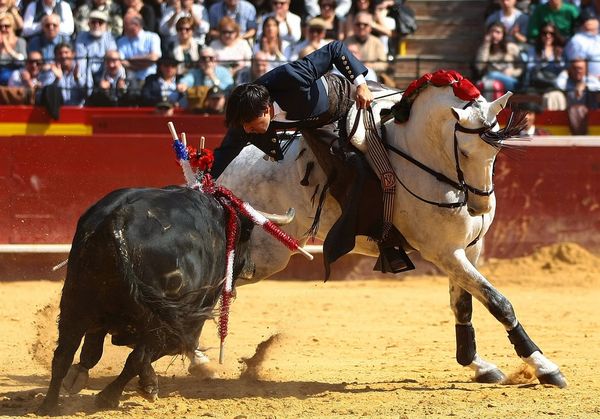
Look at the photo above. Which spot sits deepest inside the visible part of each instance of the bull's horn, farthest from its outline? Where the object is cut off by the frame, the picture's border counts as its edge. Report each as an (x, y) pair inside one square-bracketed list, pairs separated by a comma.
[(499, 104), (280, 219)]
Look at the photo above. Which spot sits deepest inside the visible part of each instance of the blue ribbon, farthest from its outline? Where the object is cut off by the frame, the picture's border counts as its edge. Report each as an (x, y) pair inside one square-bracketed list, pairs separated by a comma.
[(180, 150)]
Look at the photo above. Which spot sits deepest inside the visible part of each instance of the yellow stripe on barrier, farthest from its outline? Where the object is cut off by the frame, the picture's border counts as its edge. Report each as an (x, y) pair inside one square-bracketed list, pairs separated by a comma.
[(8, 129)]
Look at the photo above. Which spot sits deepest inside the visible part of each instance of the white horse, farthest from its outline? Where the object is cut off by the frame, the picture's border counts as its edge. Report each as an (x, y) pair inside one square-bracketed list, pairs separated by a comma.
[(444, 205)]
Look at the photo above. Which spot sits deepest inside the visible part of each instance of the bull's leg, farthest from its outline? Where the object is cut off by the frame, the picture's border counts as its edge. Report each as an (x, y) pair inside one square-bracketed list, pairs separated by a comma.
[(109, 397), (464, 275), (91, 352), (148, 384), (70, 332), (466, 348)]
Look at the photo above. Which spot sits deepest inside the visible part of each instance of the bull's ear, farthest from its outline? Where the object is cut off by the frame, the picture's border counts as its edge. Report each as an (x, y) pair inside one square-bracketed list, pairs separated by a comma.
[(461, 115)]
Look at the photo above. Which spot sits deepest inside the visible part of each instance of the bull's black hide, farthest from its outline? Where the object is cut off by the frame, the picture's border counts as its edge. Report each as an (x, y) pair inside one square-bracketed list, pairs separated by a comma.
[(146, 266)]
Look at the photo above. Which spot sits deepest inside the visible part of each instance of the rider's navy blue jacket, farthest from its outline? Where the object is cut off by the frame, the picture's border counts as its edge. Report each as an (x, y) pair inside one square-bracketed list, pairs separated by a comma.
[(296, 87)]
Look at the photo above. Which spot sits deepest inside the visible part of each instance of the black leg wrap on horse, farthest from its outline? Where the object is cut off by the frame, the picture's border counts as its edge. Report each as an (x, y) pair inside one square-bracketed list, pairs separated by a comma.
[(523, 344), (465, 344)]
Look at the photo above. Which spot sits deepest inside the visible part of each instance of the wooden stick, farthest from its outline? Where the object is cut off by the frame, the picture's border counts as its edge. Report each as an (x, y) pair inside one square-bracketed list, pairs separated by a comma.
[(202, 140), (184, 139), (305, 254), (172, 129)]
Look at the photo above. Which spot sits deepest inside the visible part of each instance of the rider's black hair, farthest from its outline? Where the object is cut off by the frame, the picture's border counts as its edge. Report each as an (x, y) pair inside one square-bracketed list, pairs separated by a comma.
[(246, 102)]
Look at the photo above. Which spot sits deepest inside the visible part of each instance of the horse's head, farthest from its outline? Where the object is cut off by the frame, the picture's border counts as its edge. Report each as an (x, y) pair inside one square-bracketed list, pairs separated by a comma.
[(475, 146)]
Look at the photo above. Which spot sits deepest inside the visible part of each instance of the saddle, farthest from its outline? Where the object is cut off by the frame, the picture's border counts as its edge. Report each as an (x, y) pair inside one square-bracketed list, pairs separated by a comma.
[(358, 190)]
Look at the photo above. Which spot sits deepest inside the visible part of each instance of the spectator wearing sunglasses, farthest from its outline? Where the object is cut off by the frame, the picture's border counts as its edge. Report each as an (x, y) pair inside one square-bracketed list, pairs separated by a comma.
[(289, 24), (28, 76), (242, 11), (315, 39), (178, 9), (185, 47), (13, 48), (110, 7), (231, 49), (564, 16), (208, 73), (372, 50), (50, 37), (33, 18)]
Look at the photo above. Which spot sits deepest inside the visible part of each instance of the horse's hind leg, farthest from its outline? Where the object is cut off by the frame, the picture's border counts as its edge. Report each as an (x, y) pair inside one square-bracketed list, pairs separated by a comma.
[(466, 348), (91, 352), (464, 274)]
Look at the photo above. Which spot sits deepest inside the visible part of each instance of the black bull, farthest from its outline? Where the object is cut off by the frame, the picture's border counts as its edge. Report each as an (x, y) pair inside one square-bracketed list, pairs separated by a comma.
[(146, 266)]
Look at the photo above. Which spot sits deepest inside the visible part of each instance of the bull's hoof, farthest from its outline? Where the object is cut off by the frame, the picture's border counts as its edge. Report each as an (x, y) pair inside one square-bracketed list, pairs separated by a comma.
[(106, 401), (76, 379), (494, 376), (149, 392), (555, 378)]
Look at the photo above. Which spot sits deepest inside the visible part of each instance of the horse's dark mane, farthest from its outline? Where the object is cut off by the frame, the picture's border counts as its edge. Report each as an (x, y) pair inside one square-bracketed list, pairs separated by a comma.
[(517, 121)]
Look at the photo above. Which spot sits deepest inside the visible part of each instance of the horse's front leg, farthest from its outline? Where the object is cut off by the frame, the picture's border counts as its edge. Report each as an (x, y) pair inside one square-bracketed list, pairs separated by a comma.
[(463, 274), (466, 348)]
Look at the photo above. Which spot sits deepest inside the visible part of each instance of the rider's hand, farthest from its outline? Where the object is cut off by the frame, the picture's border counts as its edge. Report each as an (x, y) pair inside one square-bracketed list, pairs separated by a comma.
[(364, 97)]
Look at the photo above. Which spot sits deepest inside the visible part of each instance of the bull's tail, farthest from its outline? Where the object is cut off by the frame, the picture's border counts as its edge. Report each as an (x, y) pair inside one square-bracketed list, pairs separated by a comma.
[(159, 311)]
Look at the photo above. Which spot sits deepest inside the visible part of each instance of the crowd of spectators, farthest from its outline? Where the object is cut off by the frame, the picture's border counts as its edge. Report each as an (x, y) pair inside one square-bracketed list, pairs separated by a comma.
[(548, 49), (174, 53)]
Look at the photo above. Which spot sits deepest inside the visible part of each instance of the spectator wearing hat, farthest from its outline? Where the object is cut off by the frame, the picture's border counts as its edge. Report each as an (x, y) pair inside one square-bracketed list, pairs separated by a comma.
[(289, 24), (50, 37), (208, 73), (139, 48), (91, 46), (315, 39), (214, 104), (586, 43), (111, 8), (531, 109), (164, 86), (564, 15), (242, 11), (372, 51)]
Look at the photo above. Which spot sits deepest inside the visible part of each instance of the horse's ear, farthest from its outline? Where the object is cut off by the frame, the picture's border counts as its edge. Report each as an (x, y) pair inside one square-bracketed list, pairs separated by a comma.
[(499, 104), (461, 115)]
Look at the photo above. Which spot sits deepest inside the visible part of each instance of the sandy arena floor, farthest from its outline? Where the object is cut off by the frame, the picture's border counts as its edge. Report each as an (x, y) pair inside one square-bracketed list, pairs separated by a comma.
[(378, 348)]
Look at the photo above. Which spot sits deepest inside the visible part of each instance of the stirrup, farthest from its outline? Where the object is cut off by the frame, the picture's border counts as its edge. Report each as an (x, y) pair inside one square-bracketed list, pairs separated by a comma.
[(393, 259)]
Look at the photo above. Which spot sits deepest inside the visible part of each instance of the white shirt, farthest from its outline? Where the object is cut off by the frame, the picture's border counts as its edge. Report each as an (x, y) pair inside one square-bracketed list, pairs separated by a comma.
[(67, 25)]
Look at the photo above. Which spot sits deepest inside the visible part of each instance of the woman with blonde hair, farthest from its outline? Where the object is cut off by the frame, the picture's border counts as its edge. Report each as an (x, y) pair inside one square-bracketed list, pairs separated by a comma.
[(270, 43), (9, 7), (231, 49), (13, 49)]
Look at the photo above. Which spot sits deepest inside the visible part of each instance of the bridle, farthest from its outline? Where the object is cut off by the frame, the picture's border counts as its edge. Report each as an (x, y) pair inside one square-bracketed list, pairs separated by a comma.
[(460, 184)]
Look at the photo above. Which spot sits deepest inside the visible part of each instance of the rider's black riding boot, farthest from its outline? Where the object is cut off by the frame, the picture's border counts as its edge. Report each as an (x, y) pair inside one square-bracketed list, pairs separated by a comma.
[(392, 257)]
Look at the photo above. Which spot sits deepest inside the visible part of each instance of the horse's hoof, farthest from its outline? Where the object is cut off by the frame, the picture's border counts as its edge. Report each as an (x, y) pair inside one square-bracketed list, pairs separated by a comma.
[(76, 379), (149, 393), (105, 401), (555, 378), (494, 376)]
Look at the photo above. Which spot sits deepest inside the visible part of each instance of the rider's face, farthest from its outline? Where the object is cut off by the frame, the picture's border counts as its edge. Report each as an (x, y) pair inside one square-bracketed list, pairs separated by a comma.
[(258, 125)]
